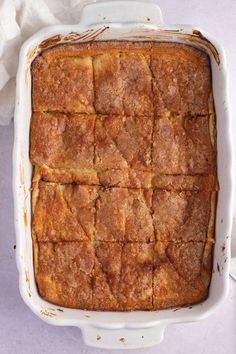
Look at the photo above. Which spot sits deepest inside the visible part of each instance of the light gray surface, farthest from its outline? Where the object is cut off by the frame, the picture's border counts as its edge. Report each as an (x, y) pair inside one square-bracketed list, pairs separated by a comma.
[(20, 330)]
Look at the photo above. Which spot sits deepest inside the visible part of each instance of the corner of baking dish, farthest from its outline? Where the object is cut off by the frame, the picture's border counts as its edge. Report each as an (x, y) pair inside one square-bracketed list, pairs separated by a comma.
[(22, 170)]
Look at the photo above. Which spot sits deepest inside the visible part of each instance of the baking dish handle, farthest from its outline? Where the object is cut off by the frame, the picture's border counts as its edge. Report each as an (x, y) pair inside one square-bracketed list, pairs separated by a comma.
[(123, 338), (121, 11)]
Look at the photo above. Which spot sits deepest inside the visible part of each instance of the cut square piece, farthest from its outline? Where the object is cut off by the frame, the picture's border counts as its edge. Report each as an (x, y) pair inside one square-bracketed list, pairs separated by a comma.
[(123, 84), (123, 142), (124, 215), (181, 79), (63, 84), (64, 273), (123, 276), (185, 143), (60, 140), (181, 216), (182, 273), (64, 212)]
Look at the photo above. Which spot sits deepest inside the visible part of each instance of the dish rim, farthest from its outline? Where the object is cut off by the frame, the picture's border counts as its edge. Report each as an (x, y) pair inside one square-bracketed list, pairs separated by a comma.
[(27, 54)]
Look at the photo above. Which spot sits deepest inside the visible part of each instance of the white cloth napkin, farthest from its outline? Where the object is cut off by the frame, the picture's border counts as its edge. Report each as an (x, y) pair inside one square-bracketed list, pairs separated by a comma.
[(19, 19)]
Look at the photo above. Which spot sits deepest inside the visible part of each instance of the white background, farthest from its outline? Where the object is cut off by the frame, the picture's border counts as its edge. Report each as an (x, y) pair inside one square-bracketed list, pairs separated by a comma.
[(20, 330)]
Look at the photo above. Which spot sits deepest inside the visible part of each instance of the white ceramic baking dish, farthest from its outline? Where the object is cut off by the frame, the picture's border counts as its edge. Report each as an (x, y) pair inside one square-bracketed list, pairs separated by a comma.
[(137, 21)]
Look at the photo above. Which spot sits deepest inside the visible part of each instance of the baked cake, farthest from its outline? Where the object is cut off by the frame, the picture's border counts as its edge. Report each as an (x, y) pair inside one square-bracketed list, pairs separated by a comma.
[(123, 144)]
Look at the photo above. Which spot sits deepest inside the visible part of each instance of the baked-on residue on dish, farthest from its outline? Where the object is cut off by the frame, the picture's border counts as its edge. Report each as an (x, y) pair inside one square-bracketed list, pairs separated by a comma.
[(123, 143)]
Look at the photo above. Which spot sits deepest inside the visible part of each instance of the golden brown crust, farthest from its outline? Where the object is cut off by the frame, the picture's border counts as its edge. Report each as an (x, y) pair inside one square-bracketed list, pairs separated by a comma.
[(68, 175), (123, 276), (116, 142), (184, 273), (181, 81), (124, 215), (64, 273), (107, 272), (185, 143), (123, 84), (212, 217), (177, 50), (108, 85), (78, 212), (127, 178), (59, 140), (123, 142), (185, 182), (177, 76), (112, 276), (135, 288), (64, 213), (65, 84), (137, 78), (181, 216), (98, 48)]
